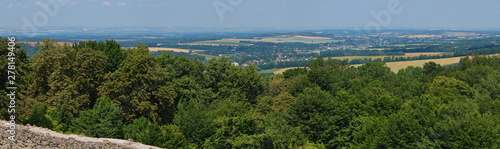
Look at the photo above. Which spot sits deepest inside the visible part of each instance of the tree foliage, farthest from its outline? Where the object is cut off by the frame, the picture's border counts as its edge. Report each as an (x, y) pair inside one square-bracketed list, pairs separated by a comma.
[(100, 89), (102, 121)]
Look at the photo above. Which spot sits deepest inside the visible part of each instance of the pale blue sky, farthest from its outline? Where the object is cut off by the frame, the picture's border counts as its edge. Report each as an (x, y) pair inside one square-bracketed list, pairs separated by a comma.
[(253, 13)]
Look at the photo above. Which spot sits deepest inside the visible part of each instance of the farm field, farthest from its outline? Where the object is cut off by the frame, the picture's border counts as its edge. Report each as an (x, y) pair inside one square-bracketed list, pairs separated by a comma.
[(216, 43), (278, 39), (396, 66), (303, 39), (382, 56), (269, 70), (171, 49), (229, 42), (365, 48), (58, 43), (280, 71)]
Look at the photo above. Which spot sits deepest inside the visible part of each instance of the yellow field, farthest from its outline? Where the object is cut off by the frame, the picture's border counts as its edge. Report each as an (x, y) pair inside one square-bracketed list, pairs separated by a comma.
[(171, 49), (285, 69), (396, 66)]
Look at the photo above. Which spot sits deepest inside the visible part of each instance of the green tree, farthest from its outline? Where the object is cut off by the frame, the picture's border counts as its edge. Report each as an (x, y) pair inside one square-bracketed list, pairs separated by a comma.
[(144, 131), (39, 117), (111, 49), (67, 76), (141, 88), (102, 121), (314, 114), (195, 120), (64, 119), (22, 80), (172, 137), (234, 82)]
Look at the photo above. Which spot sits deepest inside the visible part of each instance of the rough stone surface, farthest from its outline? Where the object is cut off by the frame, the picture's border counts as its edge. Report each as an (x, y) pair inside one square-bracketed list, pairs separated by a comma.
[(41, 138)]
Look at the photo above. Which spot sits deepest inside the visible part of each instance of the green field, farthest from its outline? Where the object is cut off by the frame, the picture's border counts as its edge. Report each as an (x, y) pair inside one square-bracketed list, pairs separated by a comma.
[(297, 39), (228, 43), (270, 70), (277, 39), (364, 48), (383, 56)]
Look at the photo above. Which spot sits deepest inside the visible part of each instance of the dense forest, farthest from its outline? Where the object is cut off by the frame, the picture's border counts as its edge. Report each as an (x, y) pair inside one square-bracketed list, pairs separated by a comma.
[(99, 89)]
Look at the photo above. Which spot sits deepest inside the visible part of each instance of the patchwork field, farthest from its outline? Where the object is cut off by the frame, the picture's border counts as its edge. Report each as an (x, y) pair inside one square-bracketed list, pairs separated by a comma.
[(171, 49), (421, 36), (303, 39), (311, 37), (228, 42), (57, 43), (396, 66), (375, 57), (277, 39)]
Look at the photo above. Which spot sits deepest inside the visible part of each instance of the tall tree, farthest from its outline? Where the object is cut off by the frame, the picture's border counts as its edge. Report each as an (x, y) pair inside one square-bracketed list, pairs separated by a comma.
[(21, 81), (67, 76), (234, 82), (114, 54), (141, 88), (103, 120)]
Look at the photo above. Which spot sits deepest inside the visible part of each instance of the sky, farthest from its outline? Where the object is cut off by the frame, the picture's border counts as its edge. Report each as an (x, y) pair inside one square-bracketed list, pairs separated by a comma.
[(253, 13)]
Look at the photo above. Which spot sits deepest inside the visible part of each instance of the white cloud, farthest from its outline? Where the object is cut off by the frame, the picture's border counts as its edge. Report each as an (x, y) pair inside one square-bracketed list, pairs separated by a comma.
[(37, 3), (107, 3), (122, 4), (10, 6)]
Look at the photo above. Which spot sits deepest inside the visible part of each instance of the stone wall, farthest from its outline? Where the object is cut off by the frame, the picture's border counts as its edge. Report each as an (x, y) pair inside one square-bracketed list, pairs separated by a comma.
[(41, 138)]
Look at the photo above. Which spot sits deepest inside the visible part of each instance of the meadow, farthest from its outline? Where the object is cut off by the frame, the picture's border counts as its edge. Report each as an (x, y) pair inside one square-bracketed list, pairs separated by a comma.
[(382, 56), (172, 49), (276, 39)]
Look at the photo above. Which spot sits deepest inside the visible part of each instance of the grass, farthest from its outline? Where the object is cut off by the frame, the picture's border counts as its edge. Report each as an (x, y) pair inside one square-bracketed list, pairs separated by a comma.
[(225, 41), (171, 49), (217, 43), (281, 70), (228, 43), (269, 70), (301, 39), (396, 66), (382, 57), (278, 39)]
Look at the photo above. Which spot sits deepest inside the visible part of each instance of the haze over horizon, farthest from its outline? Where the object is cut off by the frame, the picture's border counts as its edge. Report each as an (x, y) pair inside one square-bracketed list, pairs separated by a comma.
[(255, 13)]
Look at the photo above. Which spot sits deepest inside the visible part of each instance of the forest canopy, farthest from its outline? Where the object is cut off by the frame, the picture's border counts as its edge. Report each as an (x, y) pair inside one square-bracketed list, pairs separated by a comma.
[(100, 89)]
